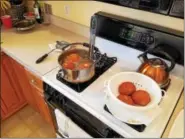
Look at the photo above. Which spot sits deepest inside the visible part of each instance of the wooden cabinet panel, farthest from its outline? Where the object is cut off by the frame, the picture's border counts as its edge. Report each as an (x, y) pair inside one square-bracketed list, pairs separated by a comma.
[(3, 110), (36, 85), (42, 106), (24, 83), (8, 94), (10, 74), (34, 80), (18, 84), (11, 96)]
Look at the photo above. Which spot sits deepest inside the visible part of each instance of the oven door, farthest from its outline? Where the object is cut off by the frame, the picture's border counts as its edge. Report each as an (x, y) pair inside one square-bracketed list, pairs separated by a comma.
[(64, 126)]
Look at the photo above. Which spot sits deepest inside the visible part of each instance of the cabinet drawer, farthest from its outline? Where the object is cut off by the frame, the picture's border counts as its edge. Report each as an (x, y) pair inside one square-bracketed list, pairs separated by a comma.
[(35, 80)]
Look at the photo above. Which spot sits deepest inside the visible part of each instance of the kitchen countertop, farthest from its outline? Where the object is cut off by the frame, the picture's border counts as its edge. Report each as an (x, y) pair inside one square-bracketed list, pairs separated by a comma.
[(26, 47), (179, 107)]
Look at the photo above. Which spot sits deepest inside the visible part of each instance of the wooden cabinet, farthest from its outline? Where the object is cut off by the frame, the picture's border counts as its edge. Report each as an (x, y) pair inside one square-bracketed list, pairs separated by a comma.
[(36, 85), (42, 106), (18, 87), (12, 98), (24, 83)]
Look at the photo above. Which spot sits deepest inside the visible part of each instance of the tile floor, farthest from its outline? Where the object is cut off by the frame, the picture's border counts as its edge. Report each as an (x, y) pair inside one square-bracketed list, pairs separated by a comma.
[(26, 123)]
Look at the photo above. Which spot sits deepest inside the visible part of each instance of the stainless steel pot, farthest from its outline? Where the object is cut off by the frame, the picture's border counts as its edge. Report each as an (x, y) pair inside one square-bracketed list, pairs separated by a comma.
[(77, 75)]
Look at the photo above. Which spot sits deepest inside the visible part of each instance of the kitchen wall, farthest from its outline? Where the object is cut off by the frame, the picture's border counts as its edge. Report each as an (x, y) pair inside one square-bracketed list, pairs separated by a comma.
[(81, 11)]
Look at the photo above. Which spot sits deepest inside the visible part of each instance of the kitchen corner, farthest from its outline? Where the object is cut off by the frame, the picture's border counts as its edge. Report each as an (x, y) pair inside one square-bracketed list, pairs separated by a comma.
[(48, 99)]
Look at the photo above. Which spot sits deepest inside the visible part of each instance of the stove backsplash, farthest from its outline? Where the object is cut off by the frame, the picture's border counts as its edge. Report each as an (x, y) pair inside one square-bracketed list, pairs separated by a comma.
[(115, 29)]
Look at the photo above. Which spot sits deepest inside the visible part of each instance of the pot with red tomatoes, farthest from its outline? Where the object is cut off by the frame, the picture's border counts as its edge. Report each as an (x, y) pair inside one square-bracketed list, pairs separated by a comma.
[(76, 65)]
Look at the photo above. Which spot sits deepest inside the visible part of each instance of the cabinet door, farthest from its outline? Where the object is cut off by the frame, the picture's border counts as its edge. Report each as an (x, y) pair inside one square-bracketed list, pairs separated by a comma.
[(3, 110), (11, 75), (24, 83), (12, 100), (42, 105)]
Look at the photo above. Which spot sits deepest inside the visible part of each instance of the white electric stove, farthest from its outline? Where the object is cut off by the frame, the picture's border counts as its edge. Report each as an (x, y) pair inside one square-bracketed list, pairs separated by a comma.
[(125, 41), (92, 98)]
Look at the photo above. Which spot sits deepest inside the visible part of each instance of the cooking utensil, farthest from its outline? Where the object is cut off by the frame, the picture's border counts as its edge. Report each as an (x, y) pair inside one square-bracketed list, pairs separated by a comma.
[(141, 81), (77, 75), (25, 25), (156, 68), (92, 36), (59, 45)]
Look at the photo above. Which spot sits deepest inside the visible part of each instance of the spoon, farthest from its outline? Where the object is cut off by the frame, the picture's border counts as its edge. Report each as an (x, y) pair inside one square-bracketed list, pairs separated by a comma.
[(59, 45)]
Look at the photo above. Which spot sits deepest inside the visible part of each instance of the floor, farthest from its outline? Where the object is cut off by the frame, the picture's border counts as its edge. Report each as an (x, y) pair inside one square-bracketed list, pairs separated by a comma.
[(26, 123)]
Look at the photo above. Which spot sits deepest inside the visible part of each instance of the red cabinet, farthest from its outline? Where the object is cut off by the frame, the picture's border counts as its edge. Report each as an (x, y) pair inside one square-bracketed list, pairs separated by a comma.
[(12, 98)]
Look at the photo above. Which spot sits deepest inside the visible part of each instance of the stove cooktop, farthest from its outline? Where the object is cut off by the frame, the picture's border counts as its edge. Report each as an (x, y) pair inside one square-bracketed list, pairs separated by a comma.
[(103, 64)]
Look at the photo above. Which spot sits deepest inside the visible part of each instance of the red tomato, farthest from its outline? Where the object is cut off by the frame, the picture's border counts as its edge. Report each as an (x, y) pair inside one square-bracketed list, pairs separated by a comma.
[(127, 88), (73, 57), (141, 97), (84, 65), (126, 99), (69, 65)]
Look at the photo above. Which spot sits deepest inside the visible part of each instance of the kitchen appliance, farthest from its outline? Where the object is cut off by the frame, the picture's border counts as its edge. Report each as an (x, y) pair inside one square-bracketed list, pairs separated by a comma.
[(177, 8), (124, 40), (156, 68), (73, 121), (167, 7), (103, 63), (158, 6)]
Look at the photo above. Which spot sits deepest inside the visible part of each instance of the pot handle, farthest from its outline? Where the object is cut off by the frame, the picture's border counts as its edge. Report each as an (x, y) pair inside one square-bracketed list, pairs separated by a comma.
[(71, 44), (160, 51), (61, 72), (88, 45)]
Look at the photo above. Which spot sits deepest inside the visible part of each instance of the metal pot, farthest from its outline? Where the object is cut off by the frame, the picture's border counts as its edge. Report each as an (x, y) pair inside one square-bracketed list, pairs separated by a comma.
[(77, 75)]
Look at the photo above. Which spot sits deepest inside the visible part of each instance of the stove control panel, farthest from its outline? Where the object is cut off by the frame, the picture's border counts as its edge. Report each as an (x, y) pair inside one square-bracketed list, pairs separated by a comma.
[(139, 37), (135, 35)]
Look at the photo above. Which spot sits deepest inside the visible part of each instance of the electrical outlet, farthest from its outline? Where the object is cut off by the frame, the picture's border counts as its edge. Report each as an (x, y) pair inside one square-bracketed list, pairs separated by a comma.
[(67, 9)]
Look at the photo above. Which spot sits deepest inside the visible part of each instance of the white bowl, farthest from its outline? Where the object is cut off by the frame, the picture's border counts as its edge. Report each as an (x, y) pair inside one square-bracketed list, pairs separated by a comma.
[(141, 81)]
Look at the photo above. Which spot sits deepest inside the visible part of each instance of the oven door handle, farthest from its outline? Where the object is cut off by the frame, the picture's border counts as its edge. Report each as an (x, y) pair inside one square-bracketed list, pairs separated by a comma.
[(51, 105)]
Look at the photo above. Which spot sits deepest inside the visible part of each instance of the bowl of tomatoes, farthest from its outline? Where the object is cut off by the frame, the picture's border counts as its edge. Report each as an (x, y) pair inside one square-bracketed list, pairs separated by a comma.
[(133, 91)]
